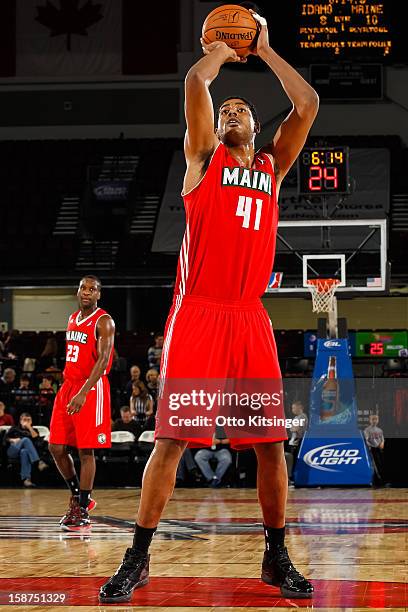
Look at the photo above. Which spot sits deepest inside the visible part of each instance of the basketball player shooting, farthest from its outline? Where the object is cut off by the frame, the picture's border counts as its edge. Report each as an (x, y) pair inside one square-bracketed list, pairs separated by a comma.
[(81, 416), (217, 326)]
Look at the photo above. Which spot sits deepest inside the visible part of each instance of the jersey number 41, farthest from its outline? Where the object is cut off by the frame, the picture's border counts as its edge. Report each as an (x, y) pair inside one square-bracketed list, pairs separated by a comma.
[(244, 208)]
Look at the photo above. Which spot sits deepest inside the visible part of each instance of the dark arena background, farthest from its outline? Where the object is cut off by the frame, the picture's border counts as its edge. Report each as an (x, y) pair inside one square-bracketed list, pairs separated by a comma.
[(91, 147)]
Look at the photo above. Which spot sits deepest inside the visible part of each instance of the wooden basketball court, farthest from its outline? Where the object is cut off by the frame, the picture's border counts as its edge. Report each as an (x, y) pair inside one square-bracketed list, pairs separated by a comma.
[(206, 555)]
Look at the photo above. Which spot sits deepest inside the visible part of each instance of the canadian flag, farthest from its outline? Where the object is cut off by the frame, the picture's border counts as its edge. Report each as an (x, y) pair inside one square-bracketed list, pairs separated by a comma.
[(80, 38)]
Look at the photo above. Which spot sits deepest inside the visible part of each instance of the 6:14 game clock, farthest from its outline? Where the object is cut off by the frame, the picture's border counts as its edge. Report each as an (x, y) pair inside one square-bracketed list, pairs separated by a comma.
[(323, 171)]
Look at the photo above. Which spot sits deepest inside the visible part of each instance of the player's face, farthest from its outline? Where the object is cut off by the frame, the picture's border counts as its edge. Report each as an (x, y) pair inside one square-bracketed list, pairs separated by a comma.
[(88, 293), (236, 124)]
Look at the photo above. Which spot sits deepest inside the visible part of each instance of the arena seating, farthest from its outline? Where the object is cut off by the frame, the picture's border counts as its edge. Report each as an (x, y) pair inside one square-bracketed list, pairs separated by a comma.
[(51, 184)]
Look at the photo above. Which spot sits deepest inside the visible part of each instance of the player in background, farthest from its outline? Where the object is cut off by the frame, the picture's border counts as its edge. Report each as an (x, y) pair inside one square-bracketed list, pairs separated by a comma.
[(217, 326), (81, 417)]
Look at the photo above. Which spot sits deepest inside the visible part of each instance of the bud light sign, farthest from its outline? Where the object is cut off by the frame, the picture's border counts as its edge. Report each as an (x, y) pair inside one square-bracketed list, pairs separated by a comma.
[(324, 456), (337, 463)]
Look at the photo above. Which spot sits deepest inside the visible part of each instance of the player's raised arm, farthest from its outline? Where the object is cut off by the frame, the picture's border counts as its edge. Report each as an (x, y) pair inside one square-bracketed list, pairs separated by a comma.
[(200, 140), (106, 335), (292, 133)]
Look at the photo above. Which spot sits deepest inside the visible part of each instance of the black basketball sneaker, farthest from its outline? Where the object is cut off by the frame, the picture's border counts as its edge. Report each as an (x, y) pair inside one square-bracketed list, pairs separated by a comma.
[(73, 502), (278, 570), (76, 519), (132, 574)]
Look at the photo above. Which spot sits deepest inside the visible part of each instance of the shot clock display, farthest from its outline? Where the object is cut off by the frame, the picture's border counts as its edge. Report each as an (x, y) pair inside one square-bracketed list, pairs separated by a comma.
[(323, 171), (382, 344)]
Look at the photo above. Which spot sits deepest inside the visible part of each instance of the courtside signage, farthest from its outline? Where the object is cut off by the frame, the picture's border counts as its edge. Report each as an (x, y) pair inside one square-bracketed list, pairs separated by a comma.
[(321, 457)]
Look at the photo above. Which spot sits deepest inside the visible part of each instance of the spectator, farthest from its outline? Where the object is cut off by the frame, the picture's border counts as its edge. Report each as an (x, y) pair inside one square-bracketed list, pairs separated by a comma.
[(7, 385), (12, 344), (127, 423), (21, 439), (154, 353), (49, 355), (218, 451), (48, 383), (297, 431), (8, 379), (23, 396), (134, 377), (46, 399), (141, 403), (187, 467), (375, 441), (5, 419), (152, 379)]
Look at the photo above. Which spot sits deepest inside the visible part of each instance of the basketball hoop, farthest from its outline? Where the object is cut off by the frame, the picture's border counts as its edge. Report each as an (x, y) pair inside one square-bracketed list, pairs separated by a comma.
[(323, 290)]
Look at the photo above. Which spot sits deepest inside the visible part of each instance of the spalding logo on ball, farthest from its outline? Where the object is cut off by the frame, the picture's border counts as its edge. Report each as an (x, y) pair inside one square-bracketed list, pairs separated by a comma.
[(233, 25)]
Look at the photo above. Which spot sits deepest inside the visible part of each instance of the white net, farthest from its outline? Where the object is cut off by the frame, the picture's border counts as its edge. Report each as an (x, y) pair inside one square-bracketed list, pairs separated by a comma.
[(323, 290)]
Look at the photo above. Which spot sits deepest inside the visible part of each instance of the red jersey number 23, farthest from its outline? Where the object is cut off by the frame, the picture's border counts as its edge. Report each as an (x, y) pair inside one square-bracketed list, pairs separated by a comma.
[(72, 352)]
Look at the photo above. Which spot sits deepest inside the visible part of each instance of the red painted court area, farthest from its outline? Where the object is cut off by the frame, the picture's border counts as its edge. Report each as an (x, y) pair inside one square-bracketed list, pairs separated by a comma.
[(217, 592)]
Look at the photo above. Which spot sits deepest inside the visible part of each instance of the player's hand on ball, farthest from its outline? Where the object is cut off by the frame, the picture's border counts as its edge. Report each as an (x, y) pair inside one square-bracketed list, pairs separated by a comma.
[(230, 54), (76, 403), (262, 41)]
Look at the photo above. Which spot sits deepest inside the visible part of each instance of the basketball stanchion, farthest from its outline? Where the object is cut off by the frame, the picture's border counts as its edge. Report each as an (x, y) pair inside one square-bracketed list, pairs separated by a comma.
[(333, 451)]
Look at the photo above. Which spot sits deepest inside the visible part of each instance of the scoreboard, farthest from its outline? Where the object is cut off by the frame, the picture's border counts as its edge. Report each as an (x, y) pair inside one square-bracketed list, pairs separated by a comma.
[(323, 171), (381, 344), (344, 27), (366, 344), (324, 31)]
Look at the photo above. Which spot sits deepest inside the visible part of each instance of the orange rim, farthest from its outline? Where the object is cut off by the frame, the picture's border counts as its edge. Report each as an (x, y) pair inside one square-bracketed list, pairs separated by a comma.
[(323, 285)]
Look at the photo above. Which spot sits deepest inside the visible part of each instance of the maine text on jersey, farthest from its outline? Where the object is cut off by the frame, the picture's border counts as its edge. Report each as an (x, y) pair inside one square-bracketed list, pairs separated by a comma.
[(245, 177), (77, 336)]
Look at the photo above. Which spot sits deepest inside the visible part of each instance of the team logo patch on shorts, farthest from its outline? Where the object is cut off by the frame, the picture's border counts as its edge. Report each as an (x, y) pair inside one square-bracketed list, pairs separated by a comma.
[(101, 438)]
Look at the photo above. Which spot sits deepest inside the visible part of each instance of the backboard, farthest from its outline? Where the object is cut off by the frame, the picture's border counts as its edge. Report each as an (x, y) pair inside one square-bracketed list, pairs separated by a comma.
[(352, 251)]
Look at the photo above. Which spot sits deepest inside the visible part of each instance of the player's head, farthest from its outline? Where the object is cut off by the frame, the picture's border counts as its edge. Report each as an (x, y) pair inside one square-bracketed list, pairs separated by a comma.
[(89, 291), (237, 121)]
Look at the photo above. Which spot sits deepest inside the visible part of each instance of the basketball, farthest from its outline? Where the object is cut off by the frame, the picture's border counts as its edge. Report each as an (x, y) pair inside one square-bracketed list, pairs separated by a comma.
[(233, 25)]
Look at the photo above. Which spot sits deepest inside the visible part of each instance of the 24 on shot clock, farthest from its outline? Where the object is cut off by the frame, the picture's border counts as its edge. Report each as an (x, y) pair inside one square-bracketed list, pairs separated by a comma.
[(323, 171)]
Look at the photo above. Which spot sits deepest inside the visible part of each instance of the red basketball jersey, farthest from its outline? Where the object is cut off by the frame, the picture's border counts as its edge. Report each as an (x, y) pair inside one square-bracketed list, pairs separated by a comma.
[(231, 221), (81, 346)]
